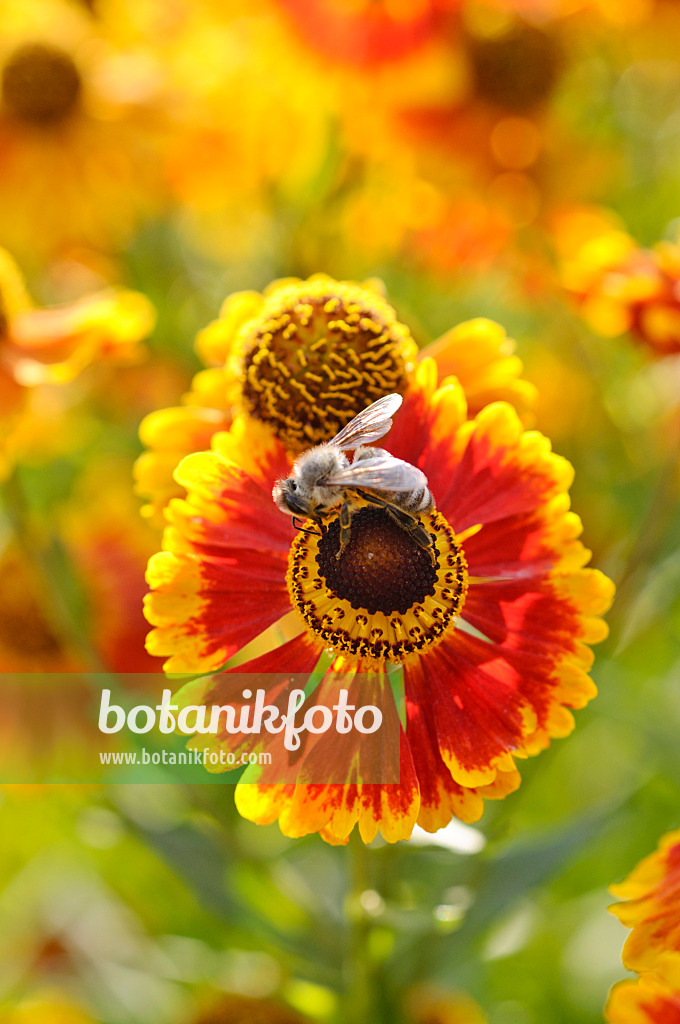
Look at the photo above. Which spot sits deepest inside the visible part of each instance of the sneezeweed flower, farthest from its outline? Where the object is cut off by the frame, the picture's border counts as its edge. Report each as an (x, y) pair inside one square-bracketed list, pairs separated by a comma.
[(80, 119), (621, 287), (654, 998), (304, 358), (492, 638), (232, 177), (652, 905), (43, 347)]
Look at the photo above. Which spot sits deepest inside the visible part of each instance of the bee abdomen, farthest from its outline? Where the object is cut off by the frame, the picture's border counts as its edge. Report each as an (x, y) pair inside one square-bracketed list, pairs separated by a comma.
[(418, 501)]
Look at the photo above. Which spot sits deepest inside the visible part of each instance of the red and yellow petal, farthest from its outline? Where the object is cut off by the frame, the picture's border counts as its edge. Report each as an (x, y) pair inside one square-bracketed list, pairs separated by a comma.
[(326, 806), (334, 810), (221, 580), (652, 898), (478, 719), (532, 605), (654, 998)]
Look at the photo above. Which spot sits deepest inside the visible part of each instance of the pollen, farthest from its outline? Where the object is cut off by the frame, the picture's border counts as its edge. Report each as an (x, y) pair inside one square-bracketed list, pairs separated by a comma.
[(382, 600), (318, 353), (40, 84)]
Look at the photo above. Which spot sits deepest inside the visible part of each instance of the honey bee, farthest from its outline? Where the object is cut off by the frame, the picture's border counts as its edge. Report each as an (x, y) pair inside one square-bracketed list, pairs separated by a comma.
[(323, 479)]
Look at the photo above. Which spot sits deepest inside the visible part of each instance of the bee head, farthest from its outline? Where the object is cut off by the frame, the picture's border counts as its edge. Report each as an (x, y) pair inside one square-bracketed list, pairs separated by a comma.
[(287, 497)]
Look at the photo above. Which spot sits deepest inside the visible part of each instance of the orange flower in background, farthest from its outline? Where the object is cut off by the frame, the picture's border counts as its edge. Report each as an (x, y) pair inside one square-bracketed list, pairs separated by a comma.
[(42, 347), (305, 357), (619, 286), (492, 638), (652, 905), (654, 998)]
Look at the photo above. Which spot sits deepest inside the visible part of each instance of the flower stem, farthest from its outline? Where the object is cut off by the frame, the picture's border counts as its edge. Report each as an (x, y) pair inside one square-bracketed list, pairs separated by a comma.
[(363, 983)]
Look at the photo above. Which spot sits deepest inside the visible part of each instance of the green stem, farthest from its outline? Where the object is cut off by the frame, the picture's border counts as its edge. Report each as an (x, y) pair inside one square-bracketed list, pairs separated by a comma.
[(364, 981), (358, 970)]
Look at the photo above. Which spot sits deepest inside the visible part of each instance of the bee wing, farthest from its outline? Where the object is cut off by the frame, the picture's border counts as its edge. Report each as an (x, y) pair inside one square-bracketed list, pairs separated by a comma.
[(384, 473), (369, 425)]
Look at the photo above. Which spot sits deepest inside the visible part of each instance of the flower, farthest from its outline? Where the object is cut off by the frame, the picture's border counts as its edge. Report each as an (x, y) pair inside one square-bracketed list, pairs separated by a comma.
[(654, 998), (480, 354), (307, 380), (651, 905), (80, 118), (43, 347), (620, 287), (492, 639)]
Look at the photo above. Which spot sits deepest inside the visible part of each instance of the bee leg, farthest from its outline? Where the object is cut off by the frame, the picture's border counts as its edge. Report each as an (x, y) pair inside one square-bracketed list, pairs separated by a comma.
[(345, 519), (304, 529), (410, 523)]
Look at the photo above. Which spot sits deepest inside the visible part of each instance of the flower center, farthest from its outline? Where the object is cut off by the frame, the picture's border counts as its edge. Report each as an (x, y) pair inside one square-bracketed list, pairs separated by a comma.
[(319, 353), (517, 69), (41, 84), (382, 570), (382, 599)]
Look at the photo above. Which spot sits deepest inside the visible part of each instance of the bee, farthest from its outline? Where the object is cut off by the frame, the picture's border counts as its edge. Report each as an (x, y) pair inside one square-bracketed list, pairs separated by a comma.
[(323, 480)]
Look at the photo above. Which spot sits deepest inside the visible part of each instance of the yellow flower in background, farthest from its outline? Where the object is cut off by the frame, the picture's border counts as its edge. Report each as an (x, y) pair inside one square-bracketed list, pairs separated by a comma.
[(80, 124), (40, 348), (243, 144), (304, 357), (46, 1009)]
